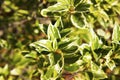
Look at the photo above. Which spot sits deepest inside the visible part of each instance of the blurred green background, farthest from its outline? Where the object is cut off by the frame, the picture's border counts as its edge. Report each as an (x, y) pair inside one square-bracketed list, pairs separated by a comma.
[(18, 28)]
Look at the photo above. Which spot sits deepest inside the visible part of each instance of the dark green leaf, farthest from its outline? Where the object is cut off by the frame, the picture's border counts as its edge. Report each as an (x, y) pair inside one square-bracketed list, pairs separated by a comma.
[(77, 20), (65, 43), (82, 7), (70, 49), (74, 67), (65, 32)]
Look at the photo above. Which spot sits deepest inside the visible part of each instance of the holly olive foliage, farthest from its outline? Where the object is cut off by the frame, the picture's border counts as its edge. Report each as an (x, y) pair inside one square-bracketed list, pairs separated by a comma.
[(80, 41)]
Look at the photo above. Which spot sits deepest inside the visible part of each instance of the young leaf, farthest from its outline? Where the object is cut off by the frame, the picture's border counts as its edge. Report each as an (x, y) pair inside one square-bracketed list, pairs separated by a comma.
[(59, 23), (53, 32), (116, 34), (42, 28), (55, 45)]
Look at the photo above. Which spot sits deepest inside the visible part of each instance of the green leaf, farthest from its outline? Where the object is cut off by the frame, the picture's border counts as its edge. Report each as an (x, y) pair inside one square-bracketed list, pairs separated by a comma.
[(53, 32), (82, 7), (66, 2), (59, 23), (50, 71), (117, 8), (77, 20), (104, 15), (70, 49), (109, 62), (46, 44), (31, 55), (65, 42), (55, 45), (55, 68), (84, 47), (74, 67), (87, 57), (84, 34), (108, 56), (42, 28), (99, 13), (116, 34), (95, 43), (59, 7), (77, 2), (98, 73), (65, 32)]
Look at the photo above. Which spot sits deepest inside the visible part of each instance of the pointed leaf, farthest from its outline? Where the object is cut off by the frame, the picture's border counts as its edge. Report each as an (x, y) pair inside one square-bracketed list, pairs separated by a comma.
[(116, 34), (42, 28), (53, 32), (55, 45), (59, 23), (46, 44)]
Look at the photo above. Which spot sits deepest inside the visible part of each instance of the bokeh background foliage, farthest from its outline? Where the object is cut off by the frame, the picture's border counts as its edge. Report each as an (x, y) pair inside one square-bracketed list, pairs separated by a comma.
[(59, 39)]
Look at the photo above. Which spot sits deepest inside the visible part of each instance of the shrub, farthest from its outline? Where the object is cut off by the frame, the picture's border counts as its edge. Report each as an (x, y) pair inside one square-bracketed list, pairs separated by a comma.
[(59, 40), (79, 41)]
